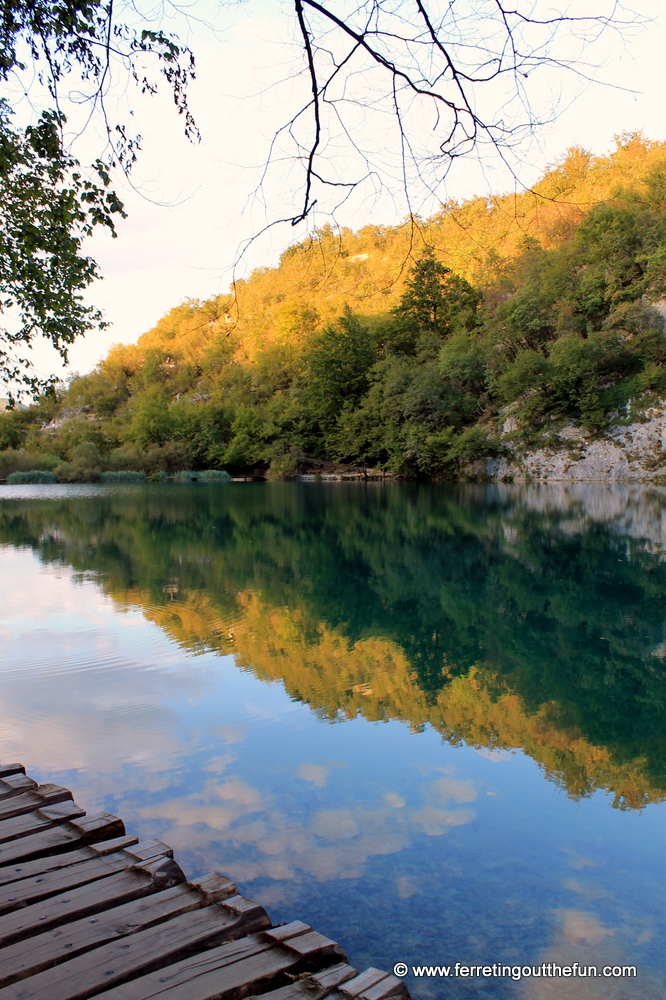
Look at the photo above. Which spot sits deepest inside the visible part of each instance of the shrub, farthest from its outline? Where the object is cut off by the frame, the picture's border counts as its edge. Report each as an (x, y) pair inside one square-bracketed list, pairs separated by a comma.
[(168, 457), (203, 476), (124, 476), (84, 467), (31, 476), (14, 425), (25, 461), (126, 457), (213, 476), (283, 467), (475, 442)]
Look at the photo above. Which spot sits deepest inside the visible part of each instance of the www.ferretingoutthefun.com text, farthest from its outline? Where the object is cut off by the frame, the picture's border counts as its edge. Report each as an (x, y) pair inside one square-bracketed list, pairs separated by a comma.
[(548, 970)]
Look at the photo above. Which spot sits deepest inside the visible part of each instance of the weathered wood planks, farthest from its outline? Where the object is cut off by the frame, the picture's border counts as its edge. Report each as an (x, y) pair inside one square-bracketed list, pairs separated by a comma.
[(87, 911), (188, 932), (28, 801), (61, 838), (16, 782), (231, 969), (8, 769), (40, 885), (26, 869), (33, 955), (85, 900), (38, 820), (341, 982)]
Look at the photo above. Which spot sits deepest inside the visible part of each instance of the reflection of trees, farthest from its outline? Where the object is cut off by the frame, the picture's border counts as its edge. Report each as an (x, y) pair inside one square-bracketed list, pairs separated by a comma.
[(495, 621)]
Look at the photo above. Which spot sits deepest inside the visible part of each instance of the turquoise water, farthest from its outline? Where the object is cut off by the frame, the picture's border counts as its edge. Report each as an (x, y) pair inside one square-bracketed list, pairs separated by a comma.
[(430, 721)]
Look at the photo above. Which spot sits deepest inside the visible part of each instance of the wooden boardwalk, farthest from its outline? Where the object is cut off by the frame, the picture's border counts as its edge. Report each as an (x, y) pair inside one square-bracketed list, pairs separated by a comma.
[(86, 911)]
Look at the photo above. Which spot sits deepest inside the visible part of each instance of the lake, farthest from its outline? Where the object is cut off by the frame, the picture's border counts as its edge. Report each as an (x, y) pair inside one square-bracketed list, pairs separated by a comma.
[(428, 720)]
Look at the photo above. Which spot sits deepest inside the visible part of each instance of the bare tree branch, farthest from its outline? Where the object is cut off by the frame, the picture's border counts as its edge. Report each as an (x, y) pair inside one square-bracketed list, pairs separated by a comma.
[(449, 60)]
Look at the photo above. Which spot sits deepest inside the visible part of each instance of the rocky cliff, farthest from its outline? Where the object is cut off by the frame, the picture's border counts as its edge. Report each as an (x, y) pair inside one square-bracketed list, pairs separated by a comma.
[(633, 451)]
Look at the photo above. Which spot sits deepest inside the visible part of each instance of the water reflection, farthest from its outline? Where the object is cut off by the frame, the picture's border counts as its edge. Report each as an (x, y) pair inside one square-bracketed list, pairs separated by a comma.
[(503, 617), (333, 843), (581, 937), (461, 634)]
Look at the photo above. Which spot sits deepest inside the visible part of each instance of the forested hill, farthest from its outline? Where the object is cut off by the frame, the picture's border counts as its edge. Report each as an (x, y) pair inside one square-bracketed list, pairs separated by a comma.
[(396, 347)]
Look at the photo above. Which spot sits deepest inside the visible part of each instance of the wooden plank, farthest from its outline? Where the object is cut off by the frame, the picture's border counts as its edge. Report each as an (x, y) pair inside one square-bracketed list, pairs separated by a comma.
[(334, 976), (286, 931), (143, 851), (193, 975), (306, 944), (340, 982), (35, 954), (228, 972), (27, 869), (44, 795), (8, 769), (62, 838), (70, 905), (30, 869), (87, 974), (293, 991), (165, 872), (32, 889), (390, 988), (38, 820), (122, 843), (217, 887), (312, 987), (102, 827), (356, 987), (14, 784)]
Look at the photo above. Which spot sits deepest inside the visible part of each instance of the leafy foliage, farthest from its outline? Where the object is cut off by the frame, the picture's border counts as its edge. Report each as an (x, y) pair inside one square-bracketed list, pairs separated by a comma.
[(562, 328), (47, 208), (49, 203)]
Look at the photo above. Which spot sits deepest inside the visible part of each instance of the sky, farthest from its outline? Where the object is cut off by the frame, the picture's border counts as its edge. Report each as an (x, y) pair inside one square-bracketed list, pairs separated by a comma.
[(193, 208)]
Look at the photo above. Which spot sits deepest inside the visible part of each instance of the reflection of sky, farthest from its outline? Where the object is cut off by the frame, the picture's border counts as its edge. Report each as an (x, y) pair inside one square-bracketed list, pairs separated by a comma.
[(398, 846)]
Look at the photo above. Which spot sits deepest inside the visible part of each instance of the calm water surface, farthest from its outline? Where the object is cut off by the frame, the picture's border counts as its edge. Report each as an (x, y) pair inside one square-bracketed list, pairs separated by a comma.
[(430, 721)]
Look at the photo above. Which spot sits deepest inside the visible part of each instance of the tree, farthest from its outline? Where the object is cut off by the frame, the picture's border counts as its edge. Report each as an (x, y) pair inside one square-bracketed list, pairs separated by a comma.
[(48, 203), (435, 297), (251, 434), (336, 370), (152, 422), (47, 207), (426, 73), (439, 82)]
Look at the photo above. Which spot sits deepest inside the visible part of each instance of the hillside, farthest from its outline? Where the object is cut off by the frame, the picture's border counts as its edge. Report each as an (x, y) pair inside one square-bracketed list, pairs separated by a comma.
[(366, 269), (394, 347)]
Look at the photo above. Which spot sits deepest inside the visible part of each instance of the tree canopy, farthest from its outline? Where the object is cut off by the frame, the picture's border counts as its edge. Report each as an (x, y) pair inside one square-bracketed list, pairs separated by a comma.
[(327, 364)]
